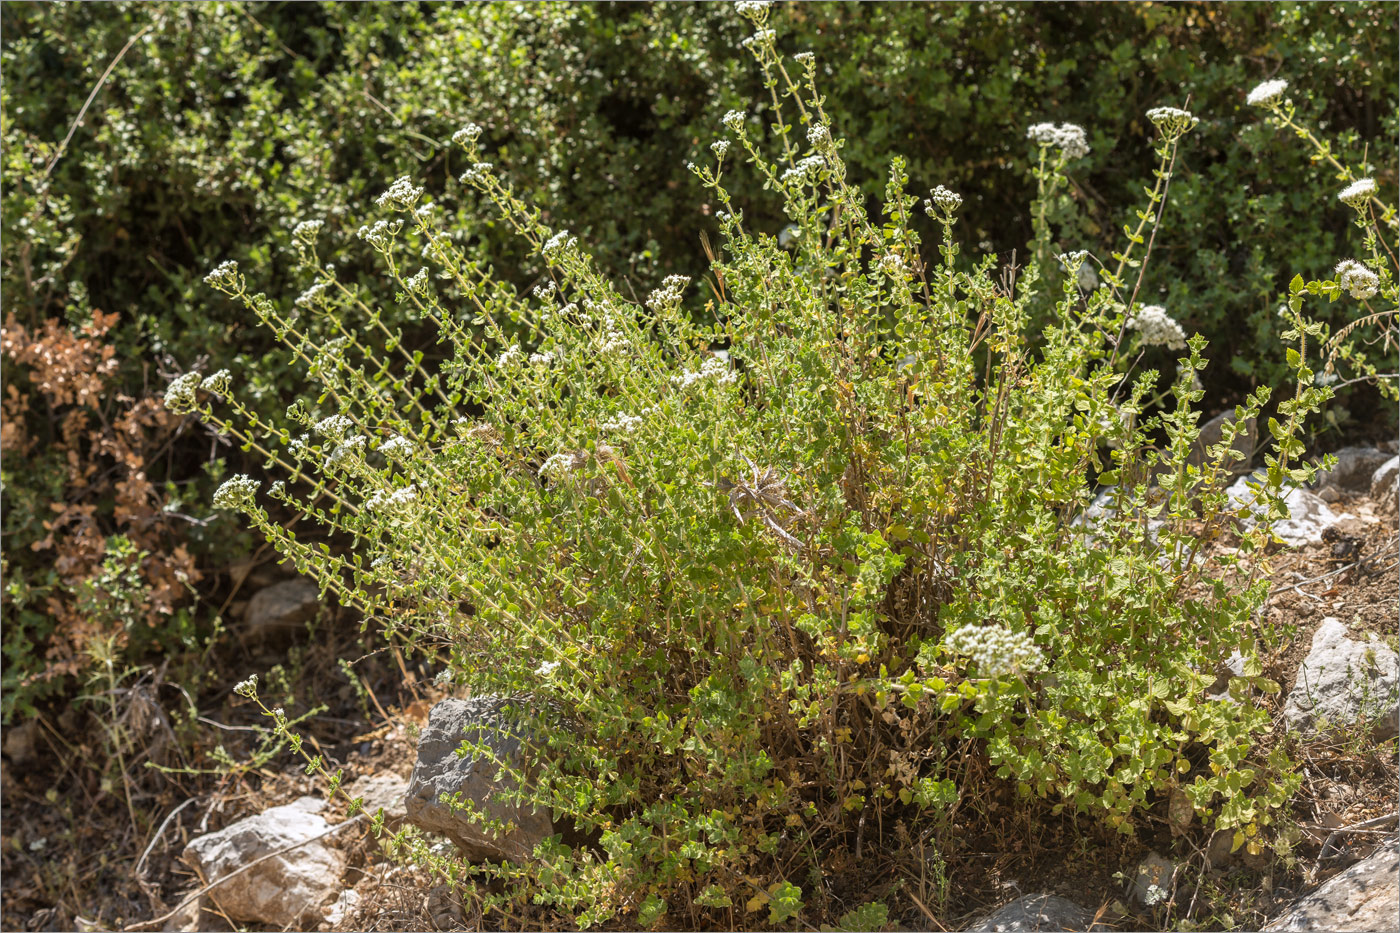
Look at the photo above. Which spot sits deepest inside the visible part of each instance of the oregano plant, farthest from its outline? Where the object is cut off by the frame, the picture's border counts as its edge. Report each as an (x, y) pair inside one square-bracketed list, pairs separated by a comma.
[(769, 564)]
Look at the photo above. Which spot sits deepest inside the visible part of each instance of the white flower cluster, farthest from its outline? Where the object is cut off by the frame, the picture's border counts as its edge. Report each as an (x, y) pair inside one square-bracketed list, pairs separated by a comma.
[(623, 423), (892, 264), (509, 356), (1358, 193), (335, 427), (400, 447), (218, 383), (247, 688), (734, 120), (558, 464), (712, 368), (476, 174), (180, 395), (381, 234), (1353, 277), (819, 137), (557, 244), (313, 296), (1067, 137), (1172, 121), (467, 135), (752, 8), (1267, 93), (351, 447), (805, 172), (224, 276), (236, 494), (762, 37), (403, 194), (670, 293), (418, 282), (393, 503), (1074, 258), (307, 231), (805, 58), (720, 148), (945, 200), (996, 651), (1158, 328), (547, 668), (546, 357)]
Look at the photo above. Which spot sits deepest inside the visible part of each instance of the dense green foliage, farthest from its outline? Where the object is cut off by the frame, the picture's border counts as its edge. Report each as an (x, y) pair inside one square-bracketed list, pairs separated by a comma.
[(766, 584), (222, 125)]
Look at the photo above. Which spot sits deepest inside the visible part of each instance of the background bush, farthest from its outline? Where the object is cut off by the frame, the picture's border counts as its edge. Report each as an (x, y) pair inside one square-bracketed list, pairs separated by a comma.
[(223, 125)]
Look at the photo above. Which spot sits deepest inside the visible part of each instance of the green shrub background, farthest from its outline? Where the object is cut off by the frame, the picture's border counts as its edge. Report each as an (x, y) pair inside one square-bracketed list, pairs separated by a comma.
[(224, 125)]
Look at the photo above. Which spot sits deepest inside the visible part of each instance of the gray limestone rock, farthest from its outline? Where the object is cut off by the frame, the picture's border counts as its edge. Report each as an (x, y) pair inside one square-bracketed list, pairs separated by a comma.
[(1035, 913), (1365, 897), (1342, 681), (440, 772)]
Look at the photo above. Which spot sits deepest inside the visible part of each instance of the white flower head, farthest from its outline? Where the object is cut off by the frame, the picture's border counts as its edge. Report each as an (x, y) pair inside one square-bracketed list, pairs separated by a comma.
[(392, 505), (547, 668), (995, 650), (224, 277), (669, 295), (236, 494), (180, 395), (1069, 138), (622, 423), (313, 296), (805, 58), (819, 137), (467, 136), (1158, 329), (762, 37), (402, 194), (381, 234), (1358, 193), (713, 368), (1355, 278), (475, 175), (1172, 122), (398, 447), (1267, 93), (720, 148), (558, 244), (418, 282), (755, 10), (943, 199), (218, 383), (307, 231), (335, 427), (734, 120), (247, 688), (807, 170)]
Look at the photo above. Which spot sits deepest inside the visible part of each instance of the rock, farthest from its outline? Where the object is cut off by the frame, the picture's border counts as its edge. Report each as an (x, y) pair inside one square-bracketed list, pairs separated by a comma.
[(1343, 682), (380, 791), (1037, 912), (342, 911), (1308, 515), (1385, 482), (1329, 494), (1365, 897), (21, 742), (439, 770), (1213, 431), (279, 612), (1352, 474), (1152, 882), (198, 916), (288, 890), (1231, 667)]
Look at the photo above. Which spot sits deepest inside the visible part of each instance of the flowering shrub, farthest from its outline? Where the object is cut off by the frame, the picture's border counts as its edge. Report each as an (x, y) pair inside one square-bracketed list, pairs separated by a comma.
[(772, 583)]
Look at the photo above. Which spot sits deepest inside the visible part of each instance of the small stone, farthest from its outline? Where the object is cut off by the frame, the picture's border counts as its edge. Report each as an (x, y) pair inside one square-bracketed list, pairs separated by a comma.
[(1035, 913), (341, 912), (380, 791), (21, 742), (279, 612), (1354, 468), (1329, 494), (1342, 682), (1152, 882), (1365, 897), (1180, 812), (1385, 482), (1308, 516)]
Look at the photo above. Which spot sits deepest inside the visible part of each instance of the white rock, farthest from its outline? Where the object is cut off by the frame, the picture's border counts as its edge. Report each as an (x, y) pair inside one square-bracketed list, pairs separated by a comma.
[(1344, 681), (1365, 897), (380, 791), (284, 891), (278, 612), (1038, 912), (1308, 514), (1355, 466), (342, 910)]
